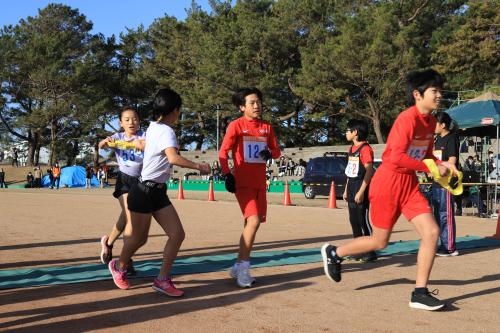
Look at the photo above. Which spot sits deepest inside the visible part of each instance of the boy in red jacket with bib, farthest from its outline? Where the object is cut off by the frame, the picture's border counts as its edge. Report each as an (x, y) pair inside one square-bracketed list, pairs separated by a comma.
[(252, 142), (395, 190)]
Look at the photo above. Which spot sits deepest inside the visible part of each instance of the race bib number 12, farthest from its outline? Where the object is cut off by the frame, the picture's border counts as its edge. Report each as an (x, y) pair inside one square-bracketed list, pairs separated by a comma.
[(252, 146)]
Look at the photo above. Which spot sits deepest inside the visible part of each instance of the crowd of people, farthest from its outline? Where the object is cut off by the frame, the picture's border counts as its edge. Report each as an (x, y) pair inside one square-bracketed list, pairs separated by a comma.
[(34, 179)]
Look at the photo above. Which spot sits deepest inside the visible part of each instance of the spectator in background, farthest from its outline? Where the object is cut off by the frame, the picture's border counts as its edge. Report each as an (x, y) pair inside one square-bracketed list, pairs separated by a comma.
[(37, 173), (216, 170), (14, 157), (2, 179), (469, 164), (51, 177), (290, 167), (282, 163), (2, 156), (442, 202), (491, 162), (475, 198), (477, 164), (30, 180), (88, 176), (105, 169), (100, 177), (300, 169), (56, 175)]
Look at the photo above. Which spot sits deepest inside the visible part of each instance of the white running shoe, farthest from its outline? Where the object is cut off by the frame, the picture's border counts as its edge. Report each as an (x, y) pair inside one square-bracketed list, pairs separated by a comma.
[(233, 272), (244, 279)]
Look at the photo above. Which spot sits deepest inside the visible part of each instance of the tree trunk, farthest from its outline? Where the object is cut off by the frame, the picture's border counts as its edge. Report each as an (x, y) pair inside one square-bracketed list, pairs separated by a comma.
[(199, 141), (37, 155), (53, 142), (378, 131), (375, 111), (32, 143), (74, 151), (96, 153)]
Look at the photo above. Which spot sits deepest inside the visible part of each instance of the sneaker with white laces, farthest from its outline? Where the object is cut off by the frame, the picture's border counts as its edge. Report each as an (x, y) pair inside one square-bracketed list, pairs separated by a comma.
[(119, 276), (106, 250), (243, 278), (332, 265), (426, 301), (446, 253), (167, 287)]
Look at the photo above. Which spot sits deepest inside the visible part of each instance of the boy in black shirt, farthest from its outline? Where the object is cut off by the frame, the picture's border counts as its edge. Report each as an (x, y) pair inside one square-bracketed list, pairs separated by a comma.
[(445, 149)]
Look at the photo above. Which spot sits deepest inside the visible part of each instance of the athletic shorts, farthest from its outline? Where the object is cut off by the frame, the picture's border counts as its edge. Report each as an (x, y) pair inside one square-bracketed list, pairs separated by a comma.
[(392, 194), (123, 184), (252, 201), (146, 200)]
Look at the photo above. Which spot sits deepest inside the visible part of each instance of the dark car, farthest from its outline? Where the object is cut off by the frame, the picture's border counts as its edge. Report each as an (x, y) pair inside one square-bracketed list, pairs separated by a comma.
[(321, 171)]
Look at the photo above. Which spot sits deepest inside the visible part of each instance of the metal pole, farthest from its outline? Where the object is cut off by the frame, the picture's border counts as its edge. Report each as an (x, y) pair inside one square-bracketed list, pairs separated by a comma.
[(496, 169), (217, 109)]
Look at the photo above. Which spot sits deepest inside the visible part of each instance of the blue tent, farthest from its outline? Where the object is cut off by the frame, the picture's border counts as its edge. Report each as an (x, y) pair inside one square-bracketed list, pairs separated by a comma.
[(479, 116), (72, 176)]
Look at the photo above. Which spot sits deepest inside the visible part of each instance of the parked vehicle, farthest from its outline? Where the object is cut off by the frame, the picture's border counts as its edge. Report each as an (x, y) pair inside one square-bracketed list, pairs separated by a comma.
[(321, 171)]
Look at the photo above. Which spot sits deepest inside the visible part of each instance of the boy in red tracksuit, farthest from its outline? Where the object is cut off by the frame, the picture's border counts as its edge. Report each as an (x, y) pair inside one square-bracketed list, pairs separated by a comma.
[(252, 142), (394, 188)]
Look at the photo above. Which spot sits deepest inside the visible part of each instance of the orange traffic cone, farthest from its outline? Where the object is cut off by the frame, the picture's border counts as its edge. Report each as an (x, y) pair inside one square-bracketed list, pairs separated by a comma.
[(332, 199), (286, 200), (497, 233), (211, 196), (180, 193)]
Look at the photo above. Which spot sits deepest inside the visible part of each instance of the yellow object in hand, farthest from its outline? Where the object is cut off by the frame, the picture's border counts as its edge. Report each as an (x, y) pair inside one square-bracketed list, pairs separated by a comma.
[(444, 181), (120, 144)]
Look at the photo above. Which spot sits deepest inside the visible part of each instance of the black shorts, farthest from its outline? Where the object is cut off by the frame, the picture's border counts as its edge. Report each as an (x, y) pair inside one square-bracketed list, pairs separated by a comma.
[(123, 184), (144, 199)]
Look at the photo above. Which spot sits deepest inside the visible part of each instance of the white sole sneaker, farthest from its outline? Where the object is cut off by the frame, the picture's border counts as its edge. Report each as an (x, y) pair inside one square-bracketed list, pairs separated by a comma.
[(421, 306), (245, 285), (324, 256), (245, 281)]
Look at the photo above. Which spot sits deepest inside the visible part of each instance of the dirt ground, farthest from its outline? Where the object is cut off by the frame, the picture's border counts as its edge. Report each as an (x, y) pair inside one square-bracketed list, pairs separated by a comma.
[(54, 228)]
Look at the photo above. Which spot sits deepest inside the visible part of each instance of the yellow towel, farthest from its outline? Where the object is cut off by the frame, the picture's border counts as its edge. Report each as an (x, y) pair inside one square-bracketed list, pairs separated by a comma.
[(120, 144), (444, 181)]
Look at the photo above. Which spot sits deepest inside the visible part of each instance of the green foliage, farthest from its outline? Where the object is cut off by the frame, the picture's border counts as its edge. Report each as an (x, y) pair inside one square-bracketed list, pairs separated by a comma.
[(318, 63), (469, 52)]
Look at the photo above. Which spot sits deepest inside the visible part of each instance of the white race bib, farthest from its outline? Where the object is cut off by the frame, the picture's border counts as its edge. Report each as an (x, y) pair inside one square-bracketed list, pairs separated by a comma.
[(418, 149), (252, 146), (352, 168), (438, 154)]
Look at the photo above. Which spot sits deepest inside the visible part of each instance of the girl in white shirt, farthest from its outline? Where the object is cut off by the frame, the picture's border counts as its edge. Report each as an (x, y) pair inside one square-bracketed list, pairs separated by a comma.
[(148, 198), (130, 166)]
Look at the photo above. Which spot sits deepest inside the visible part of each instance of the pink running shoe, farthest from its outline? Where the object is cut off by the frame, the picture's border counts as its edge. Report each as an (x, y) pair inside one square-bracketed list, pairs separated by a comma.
[(119, 277), (167, 287), (106, 250)]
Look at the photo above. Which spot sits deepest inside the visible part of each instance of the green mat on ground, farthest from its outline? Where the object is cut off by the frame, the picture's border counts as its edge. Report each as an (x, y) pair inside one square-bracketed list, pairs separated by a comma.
[(18, 278)]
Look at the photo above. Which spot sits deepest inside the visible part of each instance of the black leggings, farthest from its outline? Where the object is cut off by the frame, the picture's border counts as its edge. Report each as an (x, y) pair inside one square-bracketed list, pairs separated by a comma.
[(358, 217)]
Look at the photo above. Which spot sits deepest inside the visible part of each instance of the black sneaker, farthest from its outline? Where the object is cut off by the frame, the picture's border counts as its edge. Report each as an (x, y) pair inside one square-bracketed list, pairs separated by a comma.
[(369, 257), (130, 269), (426, 301), (331, 264)]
